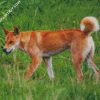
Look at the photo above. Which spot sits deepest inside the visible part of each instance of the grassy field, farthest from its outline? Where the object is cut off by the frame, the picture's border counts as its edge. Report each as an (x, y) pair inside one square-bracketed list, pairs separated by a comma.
[(47, 15)]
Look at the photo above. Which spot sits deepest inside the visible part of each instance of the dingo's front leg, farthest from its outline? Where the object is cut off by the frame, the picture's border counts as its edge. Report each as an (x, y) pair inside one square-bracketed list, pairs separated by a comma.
[(36, 60), (48, 62)]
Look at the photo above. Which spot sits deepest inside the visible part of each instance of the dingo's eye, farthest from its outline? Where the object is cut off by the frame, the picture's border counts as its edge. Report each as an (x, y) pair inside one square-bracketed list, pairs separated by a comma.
[(11, 42)]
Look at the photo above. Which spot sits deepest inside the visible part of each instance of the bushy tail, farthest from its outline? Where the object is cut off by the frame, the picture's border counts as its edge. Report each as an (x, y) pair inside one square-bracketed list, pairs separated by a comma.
[(89, 24)]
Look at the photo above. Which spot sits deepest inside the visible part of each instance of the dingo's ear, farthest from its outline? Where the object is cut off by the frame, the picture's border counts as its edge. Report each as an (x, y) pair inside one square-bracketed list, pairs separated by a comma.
[(6, 31), (16, 31)]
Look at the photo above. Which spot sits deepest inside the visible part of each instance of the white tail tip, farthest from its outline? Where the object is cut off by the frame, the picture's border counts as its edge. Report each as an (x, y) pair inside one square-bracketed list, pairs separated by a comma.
[(90, 23)]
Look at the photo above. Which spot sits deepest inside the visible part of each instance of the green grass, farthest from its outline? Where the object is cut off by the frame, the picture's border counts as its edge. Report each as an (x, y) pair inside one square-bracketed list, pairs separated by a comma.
[(47, 15)]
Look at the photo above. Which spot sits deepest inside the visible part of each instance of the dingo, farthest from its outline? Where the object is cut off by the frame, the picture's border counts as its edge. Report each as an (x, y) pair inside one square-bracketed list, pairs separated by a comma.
[(44, 44)]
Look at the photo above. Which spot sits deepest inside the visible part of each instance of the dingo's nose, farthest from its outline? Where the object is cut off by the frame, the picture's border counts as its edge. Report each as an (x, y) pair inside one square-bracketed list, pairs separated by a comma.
[(4, 49)]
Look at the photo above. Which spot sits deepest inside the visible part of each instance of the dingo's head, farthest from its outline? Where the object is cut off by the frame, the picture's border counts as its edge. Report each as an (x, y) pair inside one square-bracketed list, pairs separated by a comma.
[(11, 40)]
